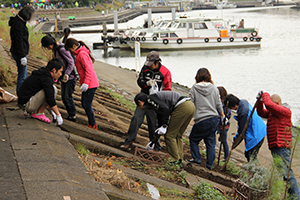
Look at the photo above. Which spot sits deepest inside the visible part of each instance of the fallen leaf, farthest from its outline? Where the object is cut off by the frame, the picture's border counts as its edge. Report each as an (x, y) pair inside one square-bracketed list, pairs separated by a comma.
[(3, 140), (20, 124), (125, 165), (34, 143), (119, 171), (4, 125), (113, 157), (109, 163)]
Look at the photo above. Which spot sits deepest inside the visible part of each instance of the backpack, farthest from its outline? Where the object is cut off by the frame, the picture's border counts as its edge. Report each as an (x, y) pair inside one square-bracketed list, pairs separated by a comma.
[(74, 71)]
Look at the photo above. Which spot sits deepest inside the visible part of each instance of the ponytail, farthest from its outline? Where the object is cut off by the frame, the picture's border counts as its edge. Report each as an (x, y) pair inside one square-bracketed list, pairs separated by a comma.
[(83, 44), (67, 32)]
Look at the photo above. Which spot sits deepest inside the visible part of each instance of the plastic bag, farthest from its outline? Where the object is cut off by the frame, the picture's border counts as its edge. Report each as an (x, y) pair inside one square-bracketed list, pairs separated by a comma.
[(6, 97), (153, 89)]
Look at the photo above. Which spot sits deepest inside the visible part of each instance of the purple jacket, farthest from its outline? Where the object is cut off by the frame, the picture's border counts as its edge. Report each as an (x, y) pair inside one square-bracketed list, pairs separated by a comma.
[(67, 59)]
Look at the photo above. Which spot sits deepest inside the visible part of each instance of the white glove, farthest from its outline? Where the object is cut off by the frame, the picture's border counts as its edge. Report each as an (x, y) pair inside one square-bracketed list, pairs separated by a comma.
[(148, 147), (65, 78), (59, 120), (151, 82), (84, 87), (161, 130), (224, 119), (259, 94), (24, 61), (54, 116)]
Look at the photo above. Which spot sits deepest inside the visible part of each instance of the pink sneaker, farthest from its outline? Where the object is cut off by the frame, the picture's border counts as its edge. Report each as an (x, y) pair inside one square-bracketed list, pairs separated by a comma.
[(41, 117)]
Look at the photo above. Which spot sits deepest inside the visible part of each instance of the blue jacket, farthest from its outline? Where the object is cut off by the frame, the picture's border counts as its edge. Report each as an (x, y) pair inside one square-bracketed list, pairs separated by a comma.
[(256, 130)]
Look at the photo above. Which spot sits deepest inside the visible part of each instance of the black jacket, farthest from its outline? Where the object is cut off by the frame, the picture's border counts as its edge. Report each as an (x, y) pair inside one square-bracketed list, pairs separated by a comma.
[(19, 37), (40, 79)]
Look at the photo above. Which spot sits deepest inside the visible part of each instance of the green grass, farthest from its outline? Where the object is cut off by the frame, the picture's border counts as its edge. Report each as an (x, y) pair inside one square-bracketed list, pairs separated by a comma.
[(82, 150)]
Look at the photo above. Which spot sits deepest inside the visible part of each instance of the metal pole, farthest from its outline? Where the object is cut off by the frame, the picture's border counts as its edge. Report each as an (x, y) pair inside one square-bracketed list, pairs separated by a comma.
[(173, 14), (116, 21), (149, 18)]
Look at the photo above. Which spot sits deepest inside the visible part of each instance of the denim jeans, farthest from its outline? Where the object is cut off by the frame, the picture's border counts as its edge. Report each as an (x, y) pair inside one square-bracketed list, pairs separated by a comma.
[(225, 144), (67, 90), (22, 71), (206, 130), (285, 155), (136, 122), (86, 102)]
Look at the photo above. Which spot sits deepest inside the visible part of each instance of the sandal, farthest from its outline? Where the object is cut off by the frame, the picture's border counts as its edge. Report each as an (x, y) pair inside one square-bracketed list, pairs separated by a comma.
[(41, 117)]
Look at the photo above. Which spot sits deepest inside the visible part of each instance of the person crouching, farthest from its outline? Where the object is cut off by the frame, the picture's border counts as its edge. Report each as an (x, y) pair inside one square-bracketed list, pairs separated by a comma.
[(37, 92)]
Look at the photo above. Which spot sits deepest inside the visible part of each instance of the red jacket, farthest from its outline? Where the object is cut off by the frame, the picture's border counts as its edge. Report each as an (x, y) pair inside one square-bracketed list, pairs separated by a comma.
[(279, 122), (85, 67)]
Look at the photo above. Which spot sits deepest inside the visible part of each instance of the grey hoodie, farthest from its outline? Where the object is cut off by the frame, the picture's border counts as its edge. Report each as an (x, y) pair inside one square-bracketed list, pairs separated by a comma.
[(207, 101)]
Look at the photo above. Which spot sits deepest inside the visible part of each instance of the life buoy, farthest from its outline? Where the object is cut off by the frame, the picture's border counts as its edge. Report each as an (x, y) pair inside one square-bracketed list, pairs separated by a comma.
[(245, 39), (166, 41), (206, 40), (154, 38), (132, 39), (219, 39), (258, 39), (251, 39), (143, 39), (231, 39), (254, 33), (138, 39), (179, 41), (127, 38)]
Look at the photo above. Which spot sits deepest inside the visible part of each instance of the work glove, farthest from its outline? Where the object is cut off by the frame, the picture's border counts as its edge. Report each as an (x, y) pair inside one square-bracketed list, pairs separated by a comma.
[(65, 78), (84, 87), (161, 130), (24, 61), (151, 82), (224, 120), (259, 94), (53, 115), (148, 147), (59, 120)]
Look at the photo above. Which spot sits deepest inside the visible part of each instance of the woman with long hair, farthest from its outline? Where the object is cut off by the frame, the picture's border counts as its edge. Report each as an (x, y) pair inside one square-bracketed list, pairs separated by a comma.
[(68, 79), (87, 76), (67, 33), (19, 41), (205, 95)]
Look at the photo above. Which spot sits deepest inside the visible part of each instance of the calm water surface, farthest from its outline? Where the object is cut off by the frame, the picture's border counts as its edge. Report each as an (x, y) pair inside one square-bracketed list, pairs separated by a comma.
[(243, 72)]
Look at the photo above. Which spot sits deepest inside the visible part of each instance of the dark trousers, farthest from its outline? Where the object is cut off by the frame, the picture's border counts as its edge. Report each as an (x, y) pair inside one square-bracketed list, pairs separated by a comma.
[(204, 130), (67, 90), (22, 71), (86, 102), (252, 153), (224, 142), (136, 122)]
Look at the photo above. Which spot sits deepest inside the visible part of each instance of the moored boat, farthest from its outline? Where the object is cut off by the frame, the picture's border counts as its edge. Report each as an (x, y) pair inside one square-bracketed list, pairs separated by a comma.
[(193, 33)]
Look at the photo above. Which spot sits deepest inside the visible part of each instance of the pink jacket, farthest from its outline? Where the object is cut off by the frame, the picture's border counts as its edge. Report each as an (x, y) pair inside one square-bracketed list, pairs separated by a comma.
[(85, 67)]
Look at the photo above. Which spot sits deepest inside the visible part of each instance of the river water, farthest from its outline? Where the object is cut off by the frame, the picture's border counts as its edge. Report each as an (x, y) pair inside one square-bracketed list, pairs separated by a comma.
[(273, 67)]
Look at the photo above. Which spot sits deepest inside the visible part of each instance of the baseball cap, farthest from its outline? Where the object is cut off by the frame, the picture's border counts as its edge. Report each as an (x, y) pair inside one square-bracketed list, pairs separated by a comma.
[(151, 58)]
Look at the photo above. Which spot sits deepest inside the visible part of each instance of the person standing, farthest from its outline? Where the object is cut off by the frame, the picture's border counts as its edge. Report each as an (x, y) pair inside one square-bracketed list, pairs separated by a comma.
[(87, 76), (152, 74), (67, 33), (205, 95), (68, 79), (279, 135), (174, 113), (19, 41), (223, 94), (37, 92), (256, 130)]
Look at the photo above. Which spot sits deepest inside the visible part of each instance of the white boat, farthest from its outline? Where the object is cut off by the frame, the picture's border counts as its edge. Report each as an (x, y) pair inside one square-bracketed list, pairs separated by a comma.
[(226, 6), (193, 33)]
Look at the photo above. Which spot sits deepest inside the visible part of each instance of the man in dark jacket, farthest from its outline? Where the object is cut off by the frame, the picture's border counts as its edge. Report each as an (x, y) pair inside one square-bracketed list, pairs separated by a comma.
[(174, 113), (153, 74), (19, 41), (37, 92), (279, 135)]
